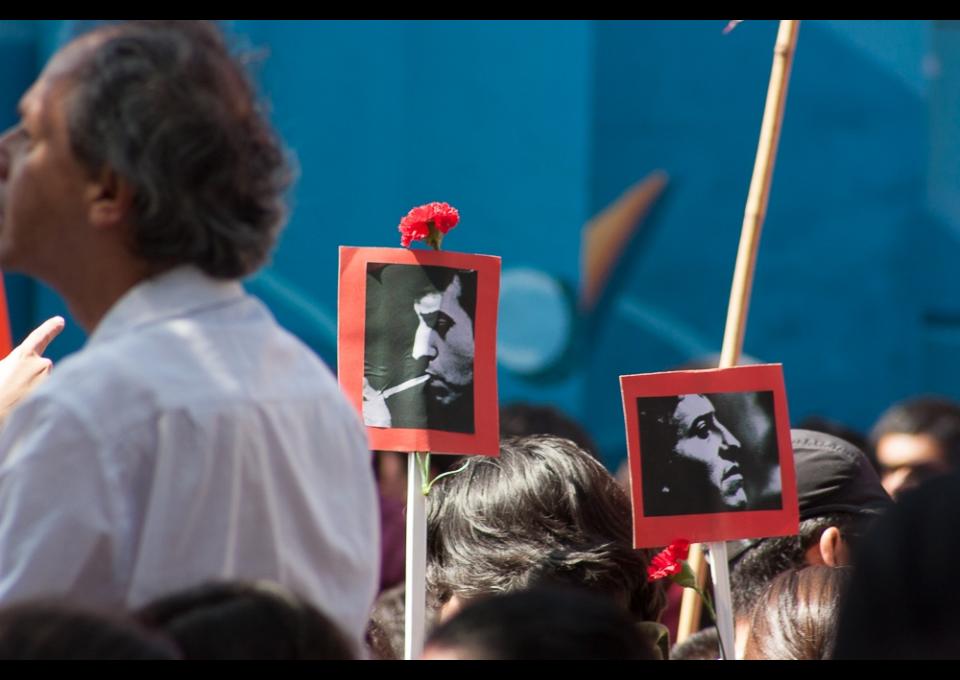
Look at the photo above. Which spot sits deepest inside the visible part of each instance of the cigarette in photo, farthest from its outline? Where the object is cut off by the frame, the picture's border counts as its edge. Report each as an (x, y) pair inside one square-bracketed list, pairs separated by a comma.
[(406, 385)]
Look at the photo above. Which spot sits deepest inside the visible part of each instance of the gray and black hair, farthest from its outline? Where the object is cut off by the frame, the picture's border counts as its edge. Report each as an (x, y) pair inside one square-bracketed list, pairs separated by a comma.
[(543, 512), (165, 106)]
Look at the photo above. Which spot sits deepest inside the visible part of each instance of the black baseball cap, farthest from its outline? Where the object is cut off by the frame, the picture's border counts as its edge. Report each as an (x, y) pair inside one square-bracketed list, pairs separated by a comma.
[(833, 475)]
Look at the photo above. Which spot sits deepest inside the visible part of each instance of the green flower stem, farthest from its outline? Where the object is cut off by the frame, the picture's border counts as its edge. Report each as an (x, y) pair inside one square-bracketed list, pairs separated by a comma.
[(706, 600), (423, 460), (425, 482), (434, 237), (687, 579), (441, 476)]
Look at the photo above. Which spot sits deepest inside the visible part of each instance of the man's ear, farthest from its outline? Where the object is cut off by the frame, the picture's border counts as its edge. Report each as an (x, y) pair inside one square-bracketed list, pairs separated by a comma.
[(109, 199), (831, 550)]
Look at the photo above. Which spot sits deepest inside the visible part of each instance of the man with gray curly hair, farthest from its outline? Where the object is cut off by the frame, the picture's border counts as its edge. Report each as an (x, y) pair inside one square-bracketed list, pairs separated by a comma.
[(191, 438)]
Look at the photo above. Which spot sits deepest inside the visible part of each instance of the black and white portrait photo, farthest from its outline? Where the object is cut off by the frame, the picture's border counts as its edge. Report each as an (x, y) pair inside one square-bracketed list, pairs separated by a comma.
[(419, 347), (709, 453)]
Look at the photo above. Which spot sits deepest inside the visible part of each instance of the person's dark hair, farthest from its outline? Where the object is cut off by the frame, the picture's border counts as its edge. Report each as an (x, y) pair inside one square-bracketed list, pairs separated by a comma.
[(936, 417), (385, 628), (540, 624), (236, 620), (165, 106), (658, 437), (796, 618), (543, 511), (521, 419), (763, 559), (704, 645), (902, 602), (49, 629)]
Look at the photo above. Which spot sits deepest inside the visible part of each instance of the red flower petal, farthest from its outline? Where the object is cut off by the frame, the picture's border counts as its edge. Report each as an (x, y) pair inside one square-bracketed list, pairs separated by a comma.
[(416, 224), (680, 548), (667, 562)]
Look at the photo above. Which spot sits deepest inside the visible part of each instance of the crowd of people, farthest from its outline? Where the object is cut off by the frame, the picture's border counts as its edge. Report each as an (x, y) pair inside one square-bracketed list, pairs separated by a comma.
[(193, 484)]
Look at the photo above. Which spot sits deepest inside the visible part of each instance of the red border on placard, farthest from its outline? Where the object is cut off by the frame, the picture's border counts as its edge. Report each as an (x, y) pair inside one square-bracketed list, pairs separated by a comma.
[(351, 322), (651, 532)]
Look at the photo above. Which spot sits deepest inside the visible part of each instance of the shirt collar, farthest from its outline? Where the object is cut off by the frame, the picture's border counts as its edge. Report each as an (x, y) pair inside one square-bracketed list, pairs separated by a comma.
[(176, 292)]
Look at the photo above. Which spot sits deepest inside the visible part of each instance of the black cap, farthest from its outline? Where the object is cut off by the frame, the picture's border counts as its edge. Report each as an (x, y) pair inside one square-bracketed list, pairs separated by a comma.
[(833, 475)]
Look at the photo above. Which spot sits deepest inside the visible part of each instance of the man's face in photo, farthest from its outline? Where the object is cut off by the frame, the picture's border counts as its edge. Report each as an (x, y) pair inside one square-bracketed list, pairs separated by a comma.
[(445, 337)]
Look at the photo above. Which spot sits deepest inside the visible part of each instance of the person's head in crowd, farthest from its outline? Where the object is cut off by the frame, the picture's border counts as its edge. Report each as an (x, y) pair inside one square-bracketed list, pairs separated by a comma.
[(385, 629), (902, 602), (50, 629), (540, 624), (704, 645), (796, 617), (915, 440), (141, 147), (543, 511), (839, 495), (238, 620), (444, 338), (687, 448), (521, 419)]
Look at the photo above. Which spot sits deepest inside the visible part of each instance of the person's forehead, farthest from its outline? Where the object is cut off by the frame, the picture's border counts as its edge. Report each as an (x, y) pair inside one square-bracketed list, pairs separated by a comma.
[(451, 296), (37, 102), (445, 300), (692, 406), (427, 303), (901, 449), (37, 107)]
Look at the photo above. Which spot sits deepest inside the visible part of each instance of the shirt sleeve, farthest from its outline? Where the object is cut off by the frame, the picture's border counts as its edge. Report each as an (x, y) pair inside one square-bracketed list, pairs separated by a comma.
[(55, 519)]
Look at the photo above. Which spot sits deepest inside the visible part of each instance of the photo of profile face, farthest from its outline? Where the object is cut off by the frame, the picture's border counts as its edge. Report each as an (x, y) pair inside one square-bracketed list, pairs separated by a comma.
[(419, 347), (698, 458), (444, 337), (703, 440)]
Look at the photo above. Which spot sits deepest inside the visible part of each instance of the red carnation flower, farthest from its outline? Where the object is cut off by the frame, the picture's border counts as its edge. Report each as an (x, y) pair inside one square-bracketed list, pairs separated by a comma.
[(428, 222), (668, 562)]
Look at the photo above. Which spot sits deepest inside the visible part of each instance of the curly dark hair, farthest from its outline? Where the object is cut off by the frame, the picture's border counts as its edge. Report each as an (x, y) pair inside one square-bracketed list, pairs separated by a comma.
[(165, 106), (543, 512)]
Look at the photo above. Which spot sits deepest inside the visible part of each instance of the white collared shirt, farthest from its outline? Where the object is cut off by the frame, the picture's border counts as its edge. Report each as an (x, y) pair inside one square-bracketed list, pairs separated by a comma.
[(191, 439)]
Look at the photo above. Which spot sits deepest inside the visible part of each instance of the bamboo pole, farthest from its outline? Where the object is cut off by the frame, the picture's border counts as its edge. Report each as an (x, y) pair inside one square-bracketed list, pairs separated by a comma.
[(754, 214)]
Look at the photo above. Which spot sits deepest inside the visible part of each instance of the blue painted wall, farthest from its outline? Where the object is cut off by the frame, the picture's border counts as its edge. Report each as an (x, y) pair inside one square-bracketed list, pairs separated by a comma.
[(532, 127)]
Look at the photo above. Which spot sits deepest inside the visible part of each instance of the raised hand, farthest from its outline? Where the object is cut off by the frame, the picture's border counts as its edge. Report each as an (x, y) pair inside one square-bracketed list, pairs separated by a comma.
[(26, 367)]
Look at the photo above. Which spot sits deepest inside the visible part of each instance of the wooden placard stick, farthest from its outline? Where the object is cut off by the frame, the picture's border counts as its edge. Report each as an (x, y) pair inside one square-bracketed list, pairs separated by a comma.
[(754, 214)]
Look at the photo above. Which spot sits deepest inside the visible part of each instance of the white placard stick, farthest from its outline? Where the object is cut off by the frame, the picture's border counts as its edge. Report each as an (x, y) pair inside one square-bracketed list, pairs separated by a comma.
[(416, 595), (721, 590), (754, 214), (405, 385)]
